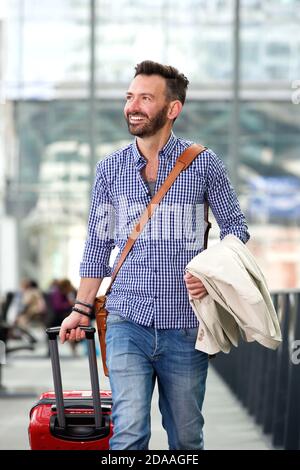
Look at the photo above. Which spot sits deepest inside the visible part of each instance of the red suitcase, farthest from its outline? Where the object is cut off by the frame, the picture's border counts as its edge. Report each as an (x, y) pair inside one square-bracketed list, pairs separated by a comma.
[(77, 420)]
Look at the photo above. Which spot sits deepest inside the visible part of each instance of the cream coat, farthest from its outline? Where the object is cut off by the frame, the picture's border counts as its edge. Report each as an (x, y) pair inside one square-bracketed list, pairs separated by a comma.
[(238, 300)]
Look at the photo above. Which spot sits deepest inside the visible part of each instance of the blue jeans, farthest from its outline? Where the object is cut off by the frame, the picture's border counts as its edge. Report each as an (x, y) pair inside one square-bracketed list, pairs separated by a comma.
[(136, 357)]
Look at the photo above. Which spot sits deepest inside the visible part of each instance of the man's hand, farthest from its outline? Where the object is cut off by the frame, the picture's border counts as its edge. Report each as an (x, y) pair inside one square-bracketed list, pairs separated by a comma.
[(72, 323), (195, 286)]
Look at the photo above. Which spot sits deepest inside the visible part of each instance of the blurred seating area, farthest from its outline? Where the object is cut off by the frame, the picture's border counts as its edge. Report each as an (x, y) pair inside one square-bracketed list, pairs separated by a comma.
[(29, 309)]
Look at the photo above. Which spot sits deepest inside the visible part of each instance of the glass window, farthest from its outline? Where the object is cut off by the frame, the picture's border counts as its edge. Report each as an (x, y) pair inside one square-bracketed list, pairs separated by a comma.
[(45, 133)]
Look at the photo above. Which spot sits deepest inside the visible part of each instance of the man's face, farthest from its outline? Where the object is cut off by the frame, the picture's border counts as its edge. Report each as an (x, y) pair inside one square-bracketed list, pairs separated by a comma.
[(146, 107)]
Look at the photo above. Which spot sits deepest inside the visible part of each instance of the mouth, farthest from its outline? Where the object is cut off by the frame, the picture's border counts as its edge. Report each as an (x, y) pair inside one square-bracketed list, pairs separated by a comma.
[(136, 119)]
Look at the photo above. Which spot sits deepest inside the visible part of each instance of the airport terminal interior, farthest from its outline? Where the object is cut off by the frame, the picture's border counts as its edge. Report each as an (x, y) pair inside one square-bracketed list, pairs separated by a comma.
[(65, 66)]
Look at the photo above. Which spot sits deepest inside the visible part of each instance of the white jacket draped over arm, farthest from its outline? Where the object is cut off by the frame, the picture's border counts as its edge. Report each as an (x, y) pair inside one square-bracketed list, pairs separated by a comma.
[(238, 299)]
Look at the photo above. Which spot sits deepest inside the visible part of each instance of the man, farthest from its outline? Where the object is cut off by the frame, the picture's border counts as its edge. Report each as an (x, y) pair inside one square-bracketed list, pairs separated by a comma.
[(152, 329)]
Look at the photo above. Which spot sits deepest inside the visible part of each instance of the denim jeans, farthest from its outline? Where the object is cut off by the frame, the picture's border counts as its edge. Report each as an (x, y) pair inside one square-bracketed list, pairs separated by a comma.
[(137, 356)]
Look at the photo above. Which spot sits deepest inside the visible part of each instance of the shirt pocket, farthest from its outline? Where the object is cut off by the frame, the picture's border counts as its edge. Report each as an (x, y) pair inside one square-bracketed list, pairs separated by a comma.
[(188, 188)]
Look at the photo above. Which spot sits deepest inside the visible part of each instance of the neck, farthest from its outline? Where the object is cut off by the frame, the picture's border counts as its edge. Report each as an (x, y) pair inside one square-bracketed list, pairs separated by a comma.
[(150, 146)]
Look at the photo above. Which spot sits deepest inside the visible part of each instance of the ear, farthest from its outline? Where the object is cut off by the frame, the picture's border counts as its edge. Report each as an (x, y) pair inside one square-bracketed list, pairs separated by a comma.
[(174, 109)]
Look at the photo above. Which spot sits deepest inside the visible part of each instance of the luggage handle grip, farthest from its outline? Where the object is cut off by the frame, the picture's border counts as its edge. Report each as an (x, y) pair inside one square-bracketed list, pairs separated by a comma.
[(54, 332)]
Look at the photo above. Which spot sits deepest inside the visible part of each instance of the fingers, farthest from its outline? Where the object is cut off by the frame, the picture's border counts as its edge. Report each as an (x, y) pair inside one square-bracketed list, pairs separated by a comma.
[(63, 334), (187, 276), (197, 290), (199, 296), (192, 280), (194, 283), (195, 286), (198, 293), (72, 334), (78, 332)]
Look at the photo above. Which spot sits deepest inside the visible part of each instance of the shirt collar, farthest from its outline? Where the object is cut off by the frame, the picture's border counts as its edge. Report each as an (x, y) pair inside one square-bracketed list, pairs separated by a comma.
[(165, 152)]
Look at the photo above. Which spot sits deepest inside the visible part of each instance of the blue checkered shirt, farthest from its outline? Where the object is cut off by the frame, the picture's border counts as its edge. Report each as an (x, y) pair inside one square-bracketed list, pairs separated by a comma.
[(149, 288)]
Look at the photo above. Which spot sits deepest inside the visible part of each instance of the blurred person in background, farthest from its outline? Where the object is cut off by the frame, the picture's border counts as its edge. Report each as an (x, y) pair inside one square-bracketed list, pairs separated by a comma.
[(32, 304), (61, 297)]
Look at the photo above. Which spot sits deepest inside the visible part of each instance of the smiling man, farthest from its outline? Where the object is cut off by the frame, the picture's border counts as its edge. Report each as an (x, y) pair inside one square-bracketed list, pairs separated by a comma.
[(152, 329), (146, 113)]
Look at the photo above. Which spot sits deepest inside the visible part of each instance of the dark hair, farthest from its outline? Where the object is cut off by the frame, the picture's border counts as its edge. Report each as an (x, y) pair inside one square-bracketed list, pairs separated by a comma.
[(176, 82)]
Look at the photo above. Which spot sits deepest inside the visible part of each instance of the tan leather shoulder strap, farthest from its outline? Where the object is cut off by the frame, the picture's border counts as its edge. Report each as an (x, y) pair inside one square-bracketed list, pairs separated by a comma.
[(182, 162)]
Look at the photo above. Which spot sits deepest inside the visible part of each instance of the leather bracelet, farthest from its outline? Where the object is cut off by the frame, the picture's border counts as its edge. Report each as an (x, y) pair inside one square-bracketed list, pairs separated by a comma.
[(82, 312), (79, 302)]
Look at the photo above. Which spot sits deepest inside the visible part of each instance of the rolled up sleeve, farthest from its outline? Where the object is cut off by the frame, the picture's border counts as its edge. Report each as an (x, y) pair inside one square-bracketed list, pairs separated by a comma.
[(100, 239), (223, 201)]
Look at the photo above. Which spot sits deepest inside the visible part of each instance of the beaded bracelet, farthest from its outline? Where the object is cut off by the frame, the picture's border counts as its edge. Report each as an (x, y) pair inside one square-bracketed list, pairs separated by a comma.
[(82, 312), (79, 302)]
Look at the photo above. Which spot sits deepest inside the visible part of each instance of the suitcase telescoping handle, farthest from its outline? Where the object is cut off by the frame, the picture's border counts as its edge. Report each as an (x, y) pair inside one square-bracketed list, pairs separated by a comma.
[(53, 347)]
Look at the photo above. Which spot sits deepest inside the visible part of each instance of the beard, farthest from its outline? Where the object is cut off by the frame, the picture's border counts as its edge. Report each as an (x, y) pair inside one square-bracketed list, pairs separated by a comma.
[(151, 126)]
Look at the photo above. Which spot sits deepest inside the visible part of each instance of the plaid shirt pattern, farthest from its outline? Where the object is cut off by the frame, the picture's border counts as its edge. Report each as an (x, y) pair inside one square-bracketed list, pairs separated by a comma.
[(149, 288)]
